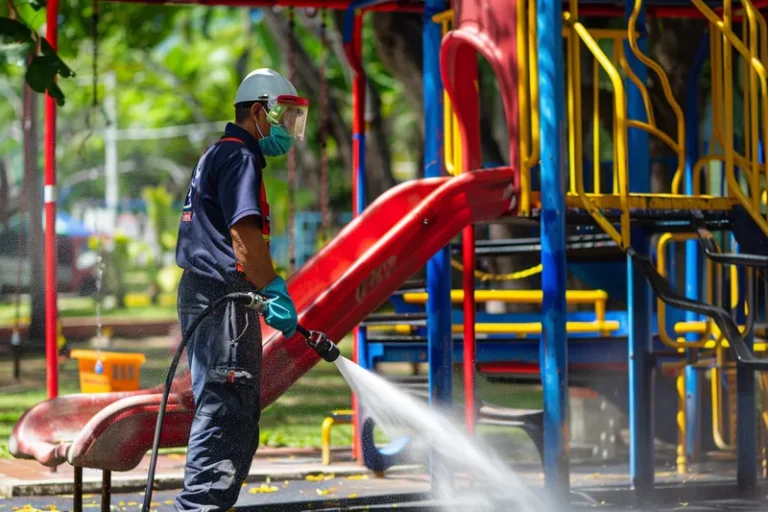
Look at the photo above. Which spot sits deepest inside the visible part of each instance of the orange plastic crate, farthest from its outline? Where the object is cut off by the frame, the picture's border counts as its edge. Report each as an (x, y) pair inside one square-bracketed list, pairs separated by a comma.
[(102, 372)]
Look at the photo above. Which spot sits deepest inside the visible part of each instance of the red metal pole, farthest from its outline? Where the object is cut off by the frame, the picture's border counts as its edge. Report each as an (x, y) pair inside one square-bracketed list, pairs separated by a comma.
[(51, 351), (468, 249), (358, 162)]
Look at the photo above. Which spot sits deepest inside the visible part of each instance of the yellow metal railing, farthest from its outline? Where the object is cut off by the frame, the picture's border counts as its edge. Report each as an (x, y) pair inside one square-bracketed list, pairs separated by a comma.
[(597, 298), (679, 146), (619, 197), (452, 135), (711, 338), (528, 98), (754, 52), (661, 266), (616, 67), (579, 32)]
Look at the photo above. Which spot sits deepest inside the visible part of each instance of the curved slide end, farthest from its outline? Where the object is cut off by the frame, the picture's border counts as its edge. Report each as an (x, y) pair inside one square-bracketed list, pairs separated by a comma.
[(381, 459)]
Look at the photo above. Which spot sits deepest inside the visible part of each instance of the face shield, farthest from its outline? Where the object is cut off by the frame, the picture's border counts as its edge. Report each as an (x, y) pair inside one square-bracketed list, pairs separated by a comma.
[(290, 112)]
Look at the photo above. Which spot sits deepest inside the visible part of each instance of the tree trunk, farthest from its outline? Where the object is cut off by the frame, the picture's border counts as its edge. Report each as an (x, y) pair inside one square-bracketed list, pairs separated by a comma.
[(306, 78), (32, 207), (673, 44), (241, 65)]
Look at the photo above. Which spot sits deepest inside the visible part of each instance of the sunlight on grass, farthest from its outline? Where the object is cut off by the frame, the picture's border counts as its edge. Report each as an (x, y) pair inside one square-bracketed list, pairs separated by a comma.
[(294, 420), (86, 306)]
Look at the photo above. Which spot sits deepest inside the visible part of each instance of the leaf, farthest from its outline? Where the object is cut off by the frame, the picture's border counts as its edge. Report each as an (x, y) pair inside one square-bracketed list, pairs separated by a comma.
[(16, 32), (47, 50), (37, 4), (41, 75)]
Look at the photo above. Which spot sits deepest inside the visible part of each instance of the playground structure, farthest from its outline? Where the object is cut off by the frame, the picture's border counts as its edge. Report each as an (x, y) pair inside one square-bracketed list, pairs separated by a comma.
[(715, 206)]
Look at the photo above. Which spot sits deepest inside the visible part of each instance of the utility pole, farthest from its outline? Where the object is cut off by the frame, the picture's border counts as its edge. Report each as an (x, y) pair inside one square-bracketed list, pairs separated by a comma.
[(111, 184)]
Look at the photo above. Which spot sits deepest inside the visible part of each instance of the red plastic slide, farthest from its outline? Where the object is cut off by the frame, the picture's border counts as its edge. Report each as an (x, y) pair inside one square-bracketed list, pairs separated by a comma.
[(345, 282)]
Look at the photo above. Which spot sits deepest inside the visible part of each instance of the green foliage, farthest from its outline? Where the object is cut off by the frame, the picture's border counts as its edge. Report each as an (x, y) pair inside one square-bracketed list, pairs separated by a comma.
[(179, 66), (117, 267), (43, 63), (159, 205)]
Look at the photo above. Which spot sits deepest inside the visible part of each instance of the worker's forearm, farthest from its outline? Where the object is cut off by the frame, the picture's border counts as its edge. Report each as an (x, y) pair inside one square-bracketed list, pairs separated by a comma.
[(253, 255)]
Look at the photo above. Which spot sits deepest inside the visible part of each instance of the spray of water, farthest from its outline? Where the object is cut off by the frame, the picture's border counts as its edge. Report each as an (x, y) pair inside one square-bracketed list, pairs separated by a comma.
[(491, 485)]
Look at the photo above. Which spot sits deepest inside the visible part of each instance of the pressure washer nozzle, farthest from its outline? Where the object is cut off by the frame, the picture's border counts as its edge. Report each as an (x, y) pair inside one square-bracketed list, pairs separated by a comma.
[(256, 301), (323, 346)]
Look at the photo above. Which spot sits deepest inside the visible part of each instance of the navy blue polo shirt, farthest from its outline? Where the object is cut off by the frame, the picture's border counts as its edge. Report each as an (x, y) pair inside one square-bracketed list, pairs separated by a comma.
[(225, 187)]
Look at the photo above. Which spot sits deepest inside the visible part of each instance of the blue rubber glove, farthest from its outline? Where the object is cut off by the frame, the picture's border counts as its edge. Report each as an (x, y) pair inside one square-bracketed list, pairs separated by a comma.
[(279, 311)]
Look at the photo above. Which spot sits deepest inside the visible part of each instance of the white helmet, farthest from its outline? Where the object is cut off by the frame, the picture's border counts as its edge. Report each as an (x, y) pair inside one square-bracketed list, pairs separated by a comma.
[(265, 84)]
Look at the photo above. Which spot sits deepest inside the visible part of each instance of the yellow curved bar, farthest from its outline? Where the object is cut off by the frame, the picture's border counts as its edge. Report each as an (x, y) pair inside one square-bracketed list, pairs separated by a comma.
[(731, 40), (457, 147), (640, 86), (753, 141), (325, 444), (751, 134), (718, 420), (716, 56), (740, 160), (615, 59), (666, 139), (451, 135), (445, 16), (511, 276), (664, 82), (764, 57), (596, 127), (621, 238), (523, 111), (691, 327), (570, 100), (757, 30), (682, 456), (575, 72), (661, 267), (328, 424), (533, 64), (450, 166)]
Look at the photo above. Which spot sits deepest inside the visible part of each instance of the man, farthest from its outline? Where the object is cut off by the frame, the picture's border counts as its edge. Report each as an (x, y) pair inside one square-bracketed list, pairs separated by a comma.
[(223, 247)]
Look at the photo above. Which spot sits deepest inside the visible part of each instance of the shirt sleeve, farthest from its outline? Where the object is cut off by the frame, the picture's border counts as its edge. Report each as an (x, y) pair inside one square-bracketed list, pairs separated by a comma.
[(239, 184)]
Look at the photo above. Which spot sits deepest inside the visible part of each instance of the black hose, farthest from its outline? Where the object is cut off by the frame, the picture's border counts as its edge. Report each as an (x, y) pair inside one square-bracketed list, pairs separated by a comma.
[(251, 300), (316, 340)]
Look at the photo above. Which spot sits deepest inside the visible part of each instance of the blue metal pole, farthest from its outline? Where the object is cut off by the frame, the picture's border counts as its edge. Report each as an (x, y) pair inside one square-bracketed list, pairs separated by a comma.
[(439, 337), (438, 267), (554, 364), (641, 371), (692, 257)]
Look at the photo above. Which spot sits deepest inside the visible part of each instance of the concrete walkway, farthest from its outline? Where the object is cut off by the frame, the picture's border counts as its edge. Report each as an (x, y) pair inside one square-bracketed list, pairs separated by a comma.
[(29, 478)]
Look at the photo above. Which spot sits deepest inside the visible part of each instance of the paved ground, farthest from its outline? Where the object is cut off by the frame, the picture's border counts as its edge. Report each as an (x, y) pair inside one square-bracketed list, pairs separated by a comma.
[(28, 477), (342, 494), (287, 481)]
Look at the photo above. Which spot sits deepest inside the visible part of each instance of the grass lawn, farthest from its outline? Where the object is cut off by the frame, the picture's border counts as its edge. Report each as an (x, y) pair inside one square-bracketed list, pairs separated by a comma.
[(293, 420), (86, 306)]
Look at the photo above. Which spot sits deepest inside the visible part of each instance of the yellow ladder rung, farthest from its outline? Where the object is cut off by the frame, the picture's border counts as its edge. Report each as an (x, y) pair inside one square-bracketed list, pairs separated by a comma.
[(514, 296), (517, 329)]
